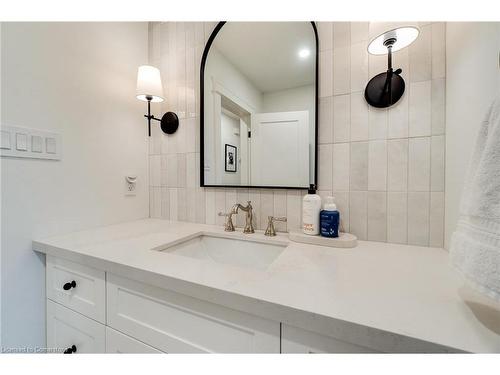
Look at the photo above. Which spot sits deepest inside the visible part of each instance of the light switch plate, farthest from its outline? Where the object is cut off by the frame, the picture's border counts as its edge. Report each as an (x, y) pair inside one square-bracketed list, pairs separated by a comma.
[(36, 143), (5, 140), (23, 142)]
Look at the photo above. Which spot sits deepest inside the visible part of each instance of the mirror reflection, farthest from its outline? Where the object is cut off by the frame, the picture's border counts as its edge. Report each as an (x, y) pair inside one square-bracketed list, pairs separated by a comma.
[(259, 105)]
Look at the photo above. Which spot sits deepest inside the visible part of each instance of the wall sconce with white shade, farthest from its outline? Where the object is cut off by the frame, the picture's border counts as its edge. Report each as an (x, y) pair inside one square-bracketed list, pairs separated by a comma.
[(149, 89), (385, 89)]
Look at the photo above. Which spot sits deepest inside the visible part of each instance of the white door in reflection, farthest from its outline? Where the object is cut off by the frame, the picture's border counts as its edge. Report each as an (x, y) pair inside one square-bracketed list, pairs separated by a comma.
[(279, 149)]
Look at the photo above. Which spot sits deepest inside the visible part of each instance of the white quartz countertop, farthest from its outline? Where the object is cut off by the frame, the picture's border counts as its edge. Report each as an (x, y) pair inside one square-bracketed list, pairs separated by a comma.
[(398, 292)]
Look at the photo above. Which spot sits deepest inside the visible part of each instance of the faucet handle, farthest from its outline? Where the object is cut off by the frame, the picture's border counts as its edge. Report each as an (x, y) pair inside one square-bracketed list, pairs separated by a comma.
[(270, 230), (228, 225)]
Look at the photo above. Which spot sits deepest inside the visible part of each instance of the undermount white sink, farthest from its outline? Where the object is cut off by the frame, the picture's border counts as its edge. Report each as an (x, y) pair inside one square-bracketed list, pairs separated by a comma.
[(242, 253)]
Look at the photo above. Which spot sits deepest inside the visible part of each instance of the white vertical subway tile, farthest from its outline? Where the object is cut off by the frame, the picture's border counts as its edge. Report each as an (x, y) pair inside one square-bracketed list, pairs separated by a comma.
[(190, 82), (418, 218), (397, 165), (377, 216), (341, 118), (438, 50), (242, 198), (342, 202), (377, 123), (359, 66), (220, 206), (231, 199), (397, 118), (358, 216), (359, 32), (191, 170), (325, 120), (420, 56), (266, 207), (154, 170), (294, 210), (280, 209), (420, 109), (341, 70), (341, 34), (326, 73), (325, 155), (165, 203), (182, 204), (359, 166), (397, 214), (359, 117), (254, 197), (340, 173), (181, 170), (190, 203), (436, 235), (438, 116), (437, 162), (199, 35), (210, 206), (173, 199), (200, 206), (376, 64), (155, 202), (190, 138), (377, 165), (172, 177), (419, 164), (325, 35)]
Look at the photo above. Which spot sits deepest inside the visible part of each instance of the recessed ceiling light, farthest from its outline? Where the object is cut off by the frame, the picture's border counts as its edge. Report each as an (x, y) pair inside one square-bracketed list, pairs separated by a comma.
[(303, 53)]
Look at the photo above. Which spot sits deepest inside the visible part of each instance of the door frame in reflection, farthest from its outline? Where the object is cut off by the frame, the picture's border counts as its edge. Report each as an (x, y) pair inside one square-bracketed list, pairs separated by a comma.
[(202, 111)]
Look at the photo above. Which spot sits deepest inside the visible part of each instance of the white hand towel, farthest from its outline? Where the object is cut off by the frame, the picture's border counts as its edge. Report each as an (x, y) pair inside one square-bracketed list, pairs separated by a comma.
[(475, 245)]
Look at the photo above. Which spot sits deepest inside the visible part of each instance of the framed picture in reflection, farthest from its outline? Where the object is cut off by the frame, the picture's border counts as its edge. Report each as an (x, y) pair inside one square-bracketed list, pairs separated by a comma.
[(231, 158)]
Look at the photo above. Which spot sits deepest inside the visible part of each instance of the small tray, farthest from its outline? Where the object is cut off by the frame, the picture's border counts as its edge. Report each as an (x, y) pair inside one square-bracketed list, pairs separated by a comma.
[(344, 240)]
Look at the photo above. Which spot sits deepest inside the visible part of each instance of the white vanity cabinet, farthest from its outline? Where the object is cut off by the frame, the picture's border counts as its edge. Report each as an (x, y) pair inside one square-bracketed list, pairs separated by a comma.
[(297, 340), (92, 311), (72, 332), (102, 312), (176, 323)]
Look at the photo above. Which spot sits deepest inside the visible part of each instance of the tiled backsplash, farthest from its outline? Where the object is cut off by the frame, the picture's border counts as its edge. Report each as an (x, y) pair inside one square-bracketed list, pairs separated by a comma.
[(385, 167)]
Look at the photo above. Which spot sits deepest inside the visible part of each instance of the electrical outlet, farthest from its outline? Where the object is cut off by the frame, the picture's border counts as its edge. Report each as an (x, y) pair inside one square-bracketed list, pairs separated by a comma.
[(130, 185)]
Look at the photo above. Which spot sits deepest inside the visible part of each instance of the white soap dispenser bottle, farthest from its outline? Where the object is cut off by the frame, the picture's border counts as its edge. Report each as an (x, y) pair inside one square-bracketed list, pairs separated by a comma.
[(311, 207)]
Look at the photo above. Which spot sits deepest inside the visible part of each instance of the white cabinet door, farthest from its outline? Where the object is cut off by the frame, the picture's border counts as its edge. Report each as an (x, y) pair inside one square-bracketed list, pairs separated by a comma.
[(69, 329), (297, 340), (117, 342), (175, 323), (78, 287)]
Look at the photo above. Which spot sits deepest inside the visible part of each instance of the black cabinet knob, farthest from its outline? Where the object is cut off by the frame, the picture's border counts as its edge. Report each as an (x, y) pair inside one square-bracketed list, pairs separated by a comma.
[(70, 350), (70, 285)]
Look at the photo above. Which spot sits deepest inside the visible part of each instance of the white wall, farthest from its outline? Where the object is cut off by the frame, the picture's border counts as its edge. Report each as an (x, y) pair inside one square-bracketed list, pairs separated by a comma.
[(229, 127), (77, 79), (473, 78)]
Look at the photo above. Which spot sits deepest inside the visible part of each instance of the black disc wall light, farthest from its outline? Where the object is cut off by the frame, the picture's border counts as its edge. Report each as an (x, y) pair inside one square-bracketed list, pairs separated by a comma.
[(385, 89), (150, 89)]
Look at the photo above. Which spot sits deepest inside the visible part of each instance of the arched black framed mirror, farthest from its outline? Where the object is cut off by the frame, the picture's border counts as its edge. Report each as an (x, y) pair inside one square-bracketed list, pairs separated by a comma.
[(259, 106)]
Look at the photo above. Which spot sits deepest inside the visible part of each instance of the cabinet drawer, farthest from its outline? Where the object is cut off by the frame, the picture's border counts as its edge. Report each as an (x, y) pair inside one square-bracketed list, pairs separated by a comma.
[(297, 340), (88, 294), (66, 328), (175, 323), (117, 342)]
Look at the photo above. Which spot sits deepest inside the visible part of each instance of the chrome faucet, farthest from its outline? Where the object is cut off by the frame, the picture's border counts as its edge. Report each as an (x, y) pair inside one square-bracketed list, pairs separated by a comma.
[(249, 217)]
